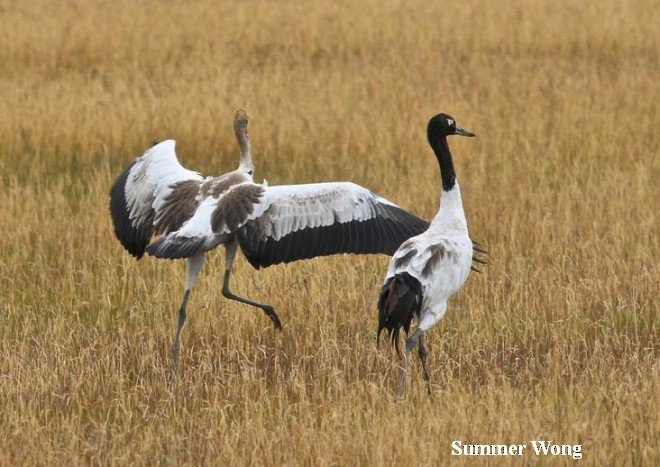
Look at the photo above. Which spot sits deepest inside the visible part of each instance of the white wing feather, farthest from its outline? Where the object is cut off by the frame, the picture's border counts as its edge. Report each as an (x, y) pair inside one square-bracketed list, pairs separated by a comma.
[(290, 208), (151, 179)]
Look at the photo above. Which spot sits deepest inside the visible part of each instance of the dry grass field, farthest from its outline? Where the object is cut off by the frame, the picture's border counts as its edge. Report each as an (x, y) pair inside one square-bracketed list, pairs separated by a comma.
[(558, 340)]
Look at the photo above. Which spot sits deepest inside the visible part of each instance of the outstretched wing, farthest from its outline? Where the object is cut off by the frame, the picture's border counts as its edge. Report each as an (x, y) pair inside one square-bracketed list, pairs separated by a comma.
[(154, 195), (293, 222)]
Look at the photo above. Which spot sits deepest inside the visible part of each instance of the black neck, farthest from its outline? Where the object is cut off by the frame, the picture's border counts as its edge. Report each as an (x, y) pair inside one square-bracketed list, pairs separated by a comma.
[(441, 149)]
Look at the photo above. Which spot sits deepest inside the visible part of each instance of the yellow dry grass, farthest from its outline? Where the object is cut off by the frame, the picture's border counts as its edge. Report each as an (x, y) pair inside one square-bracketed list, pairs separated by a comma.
[(558, 340)]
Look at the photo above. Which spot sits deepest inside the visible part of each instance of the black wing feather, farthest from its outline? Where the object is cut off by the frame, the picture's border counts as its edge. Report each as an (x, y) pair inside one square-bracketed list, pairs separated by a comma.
[(381, 234), (175, 247), (134, 239)]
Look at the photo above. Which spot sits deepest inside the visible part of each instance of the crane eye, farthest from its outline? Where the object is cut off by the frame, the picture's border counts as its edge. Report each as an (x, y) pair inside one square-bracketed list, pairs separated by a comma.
[(250, 172)]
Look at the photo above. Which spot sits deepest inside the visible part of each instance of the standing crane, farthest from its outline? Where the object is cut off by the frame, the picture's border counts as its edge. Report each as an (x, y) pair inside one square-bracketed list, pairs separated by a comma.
[(190, 215), (431, 267)]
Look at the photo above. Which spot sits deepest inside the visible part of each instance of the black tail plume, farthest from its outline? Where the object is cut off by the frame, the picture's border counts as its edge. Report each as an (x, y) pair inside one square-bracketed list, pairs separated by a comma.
[(399, 301), (478, 248)]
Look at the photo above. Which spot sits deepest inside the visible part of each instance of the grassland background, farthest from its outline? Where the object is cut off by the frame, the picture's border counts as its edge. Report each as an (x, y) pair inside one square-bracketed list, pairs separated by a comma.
[(558, 340)]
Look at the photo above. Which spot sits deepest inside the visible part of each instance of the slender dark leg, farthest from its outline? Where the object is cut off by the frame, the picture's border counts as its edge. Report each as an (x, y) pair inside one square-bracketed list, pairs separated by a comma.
[(423, 355), (410, 344), (194, 267), (269, 310), (230, 249), (182, 320)]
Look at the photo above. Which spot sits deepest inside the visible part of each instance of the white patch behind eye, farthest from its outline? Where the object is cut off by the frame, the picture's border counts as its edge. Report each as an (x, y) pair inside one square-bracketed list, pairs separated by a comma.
[(450, 121)]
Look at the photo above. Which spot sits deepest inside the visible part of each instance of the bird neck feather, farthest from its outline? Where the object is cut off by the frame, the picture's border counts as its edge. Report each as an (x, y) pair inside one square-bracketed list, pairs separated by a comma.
[(441, 149), (451, 214)]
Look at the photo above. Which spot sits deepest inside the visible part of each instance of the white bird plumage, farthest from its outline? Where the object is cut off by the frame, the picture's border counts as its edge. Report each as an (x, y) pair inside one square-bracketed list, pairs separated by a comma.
[(188, 214), (431, 267)]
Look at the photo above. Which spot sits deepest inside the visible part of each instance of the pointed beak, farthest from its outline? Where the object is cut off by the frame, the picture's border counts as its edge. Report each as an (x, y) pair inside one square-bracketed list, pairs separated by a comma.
[(462, 132)]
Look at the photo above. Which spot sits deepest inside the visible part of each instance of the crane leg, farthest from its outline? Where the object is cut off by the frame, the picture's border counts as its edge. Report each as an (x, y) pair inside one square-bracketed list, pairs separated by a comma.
[(194, 267), (182, 320), (269, 310), (423, 356), (411, 342)]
